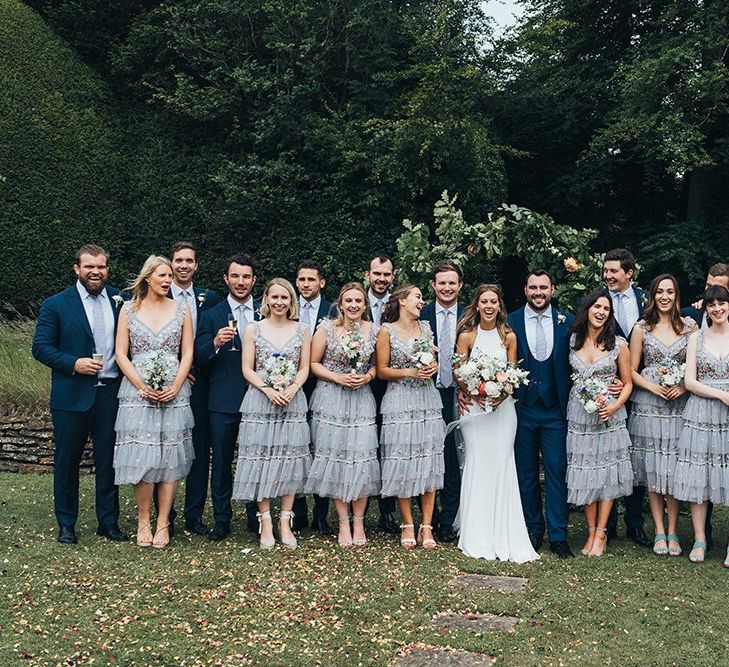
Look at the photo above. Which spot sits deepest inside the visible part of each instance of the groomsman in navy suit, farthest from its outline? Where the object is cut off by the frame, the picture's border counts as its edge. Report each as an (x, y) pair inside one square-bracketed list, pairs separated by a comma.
[(218, 353), (380, 275), (73, 325), (313, 308), (629, 301), (184, 267), (543, 336), (443, 316)]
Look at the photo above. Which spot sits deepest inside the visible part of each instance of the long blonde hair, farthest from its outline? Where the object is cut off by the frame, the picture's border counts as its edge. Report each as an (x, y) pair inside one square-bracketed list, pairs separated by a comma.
[(293, 312), (471, 318), (340, 320), (139, 287)]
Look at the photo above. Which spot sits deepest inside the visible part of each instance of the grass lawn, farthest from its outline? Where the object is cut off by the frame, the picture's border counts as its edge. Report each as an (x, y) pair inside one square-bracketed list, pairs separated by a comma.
[(231, 604)]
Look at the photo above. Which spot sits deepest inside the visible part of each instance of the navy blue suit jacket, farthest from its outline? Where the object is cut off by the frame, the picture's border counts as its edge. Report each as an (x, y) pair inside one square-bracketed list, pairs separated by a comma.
[(322, 314), (227, 385), (695, 313), (208, 300), (560, 351), (63, 335), (641, 297)]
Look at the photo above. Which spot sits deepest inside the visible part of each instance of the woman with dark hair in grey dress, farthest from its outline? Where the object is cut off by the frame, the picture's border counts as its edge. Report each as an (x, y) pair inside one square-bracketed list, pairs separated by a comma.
[(413, 429), (598, 444), (343, 426), (703, 450)]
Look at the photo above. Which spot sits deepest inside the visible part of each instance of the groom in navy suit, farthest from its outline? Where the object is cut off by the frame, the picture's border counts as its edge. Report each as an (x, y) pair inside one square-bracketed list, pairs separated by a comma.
[(542, 337), (73, 325), (443, 316), (184, 267), (218, 353), (629, 301)]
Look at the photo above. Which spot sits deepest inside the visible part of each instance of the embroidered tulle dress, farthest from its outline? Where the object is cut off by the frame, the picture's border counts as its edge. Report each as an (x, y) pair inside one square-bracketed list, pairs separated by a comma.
[(598, 454), (343, 430), (702, 470), (411, 441), (153, 440), (273, 440), (654, 423)]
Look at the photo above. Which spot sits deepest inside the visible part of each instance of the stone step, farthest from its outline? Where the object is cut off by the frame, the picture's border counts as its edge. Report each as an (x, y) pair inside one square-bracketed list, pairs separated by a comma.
[(489, 582)]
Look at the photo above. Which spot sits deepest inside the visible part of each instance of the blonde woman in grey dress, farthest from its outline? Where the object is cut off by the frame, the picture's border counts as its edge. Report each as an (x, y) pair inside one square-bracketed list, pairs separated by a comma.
[(598, 444), (702, 472), (273, 439), (343, 421), (154, 425), (413, 429), (658, 346)]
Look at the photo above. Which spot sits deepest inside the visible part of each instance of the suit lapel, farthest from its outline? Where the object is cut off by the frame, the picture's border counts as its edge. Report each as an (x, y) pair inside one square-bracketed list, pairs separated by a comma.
[(77, 307), (520, 331)]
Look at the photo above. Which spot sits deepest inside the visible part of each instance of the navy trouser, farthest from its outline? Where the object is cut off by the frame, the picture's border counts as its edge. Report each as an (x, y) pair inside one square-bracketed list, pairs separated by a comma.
[(544, 430), (71, 431), (196, 485), (450, 494)]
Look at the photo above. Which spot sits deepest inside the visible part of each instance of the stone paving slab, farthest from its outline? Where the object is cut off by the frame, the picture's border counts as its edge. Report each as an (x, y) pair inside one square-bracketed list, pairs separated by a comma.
[(433, 656), (488, 582), (474, 622)]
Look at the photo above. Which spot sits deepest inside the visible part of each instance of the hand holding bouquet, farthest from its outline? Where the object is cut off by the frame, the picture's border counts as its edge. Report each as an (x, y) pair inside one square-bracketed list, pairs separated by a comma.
[(485, 376), (593, 393), (280, 371), (155, 371), (353, 343), (671, 375)]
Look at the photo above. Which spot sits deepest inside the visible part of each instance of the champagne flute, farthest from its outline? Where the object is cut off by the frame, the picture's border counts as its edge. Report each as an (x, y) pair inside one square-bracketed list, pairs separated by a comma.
[(233, 324), (100, 358)]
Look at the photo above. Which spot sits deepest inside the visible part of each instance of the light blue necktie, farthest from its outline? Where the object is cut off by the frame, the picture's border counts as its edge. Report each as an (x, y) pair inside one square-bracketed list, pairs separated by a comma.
[(445, 350), (541, 340)]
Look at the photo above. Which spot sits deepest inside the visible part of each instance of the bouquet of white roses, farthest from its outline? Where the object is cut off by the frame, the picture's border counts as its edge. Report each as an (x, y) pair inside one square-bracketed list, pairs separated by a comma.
[(353, 343), (487, 376), (421, 351), (280, 371), (156, 368), (591, 392), (671, 374)]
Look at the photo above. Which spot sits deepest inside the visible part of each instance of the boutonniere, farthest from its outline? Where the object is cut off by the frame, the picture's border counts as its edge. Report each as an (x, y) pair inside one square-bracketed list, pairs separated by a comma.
[(561, 319), (118, 301), (201, 298), (644, 299)]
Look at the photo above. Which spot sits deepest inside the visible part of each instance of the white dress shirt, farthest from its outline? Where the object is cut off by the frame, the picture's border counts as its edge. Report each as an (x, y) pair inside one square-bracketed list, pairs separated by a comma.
[(313, 310), (453, 322), (630, 303), (377, 306), (190, 301), (530, 322), (109, 369), (243, 312)]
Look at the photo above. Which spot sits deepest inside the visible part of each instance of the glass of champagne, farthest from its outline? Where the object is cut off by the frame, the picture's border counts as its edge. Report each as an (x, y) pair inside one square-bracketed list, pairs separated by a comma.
[(233, 324), (100, 358)]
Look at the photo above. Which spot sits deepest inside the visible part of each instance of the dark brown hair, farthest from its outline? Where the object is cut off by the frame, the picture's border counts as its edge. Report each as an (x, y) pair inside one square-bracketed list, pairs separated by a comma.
[(90, 249), (446, 265), (651, 316), (606, 337), (392, 307), (182, 245), (622, 255)]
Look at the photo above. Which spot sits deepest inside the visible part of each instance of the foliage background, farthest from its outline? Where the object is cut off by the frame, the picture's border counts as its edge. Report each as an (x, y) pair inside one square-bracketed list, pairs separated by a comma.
[(314, 128)]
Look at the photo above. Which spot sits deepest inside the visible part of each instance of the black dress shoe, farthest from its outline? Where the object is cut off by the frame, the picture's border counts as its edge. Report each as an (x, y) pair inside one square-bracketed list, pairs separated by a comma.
[(112, 532), (388, 524), (67, 535), (220, 531), (447, 534), (639, 537), (537, 541), (196, 527), (321, 525), (562, 549)]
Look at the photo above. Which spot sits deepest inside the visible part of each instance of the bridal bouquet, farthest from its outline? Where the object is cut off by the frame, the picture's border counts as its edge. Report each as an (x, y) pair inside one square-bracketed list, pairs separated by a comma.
[(591, 392), (421, 351), (353, 343), (671, 374), (156, 369), (484, 375), (280, 370)]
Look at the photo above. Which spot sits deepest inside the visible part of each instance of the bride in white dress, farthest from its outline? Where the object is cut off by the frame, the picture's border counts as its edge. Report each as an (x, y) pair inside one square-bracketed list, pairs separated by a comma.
[(490, 521)]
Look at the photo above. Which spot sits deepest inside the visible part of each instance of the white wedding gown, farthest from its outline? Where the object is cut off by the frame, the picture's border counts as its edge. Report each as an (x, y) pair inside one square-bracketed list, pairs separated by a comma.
[(490, 519)]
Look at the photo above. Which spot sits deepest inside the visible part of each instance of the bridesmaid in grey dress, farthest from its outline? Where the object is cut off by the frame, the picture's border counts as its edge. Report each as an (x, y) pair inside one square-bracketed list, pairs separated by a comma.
[(658, 345), (154, 422), (273, 439), (412, 421), (703, 451), (598, 444), (343, 426)]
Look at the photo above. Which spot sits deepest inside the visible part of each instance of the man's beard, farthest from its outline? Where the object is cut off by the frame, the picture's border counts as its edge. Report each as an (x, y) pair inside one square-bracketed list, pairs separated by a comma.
[(544, 307), (92, 289)]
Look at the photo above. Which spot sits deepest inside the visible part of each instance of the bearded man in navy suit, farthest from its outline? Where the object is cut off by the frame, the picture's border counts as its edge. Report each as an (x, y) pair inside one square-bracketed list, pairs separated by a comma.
[(73, 325), (443, 316), (184, 267), (313, 308)]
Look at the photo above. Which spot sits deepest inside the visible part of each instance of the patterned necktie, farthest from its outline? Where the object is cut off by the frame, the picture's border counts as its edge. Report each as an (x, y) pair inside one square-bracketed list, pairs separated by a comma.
[(99, 330), (445, 350), (620, 315), (540, 353)]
